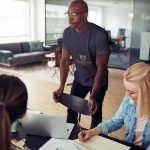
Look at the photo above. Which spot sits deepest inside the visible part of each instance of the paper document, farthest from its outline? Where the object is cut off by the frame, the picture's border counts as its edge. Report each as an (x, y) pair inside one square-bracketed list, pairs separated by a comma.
[(100, 143), (59, 144), (95, 143)]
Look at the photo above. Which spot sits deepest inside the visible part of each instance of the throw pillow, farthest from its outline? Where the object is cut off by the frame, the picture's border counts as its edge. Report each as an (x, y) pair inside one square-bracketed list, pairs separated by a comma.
[(36, 46)]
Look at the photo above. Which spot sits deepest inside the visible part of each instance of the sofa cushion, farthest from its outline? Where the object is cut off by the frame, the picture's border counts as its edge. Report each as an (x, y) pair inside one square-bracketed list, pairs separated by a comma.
[(19, 59), (7, 53), (13, 47), (4, 55), (36, 46), (24, 58), (25, 47)]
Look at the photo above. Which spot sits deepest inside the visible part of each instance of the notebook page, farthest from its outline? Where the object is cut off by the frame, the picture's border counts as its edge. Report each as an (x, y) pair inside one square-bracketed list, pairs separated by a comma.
[(99, 142), (59, 144)]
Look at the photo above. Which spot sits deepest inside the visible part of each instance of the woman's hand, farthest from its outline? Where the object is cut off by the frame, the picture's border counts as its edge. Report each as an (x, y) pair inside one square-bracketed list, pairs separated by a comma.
[(84, 135), (87, 134)]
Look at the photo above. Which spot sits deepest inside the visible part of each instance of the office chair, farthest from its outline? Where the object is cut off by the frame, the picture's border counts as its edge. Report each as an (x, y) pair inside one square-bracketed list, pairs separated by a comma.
[(121, 35), (121, 32), (76, 104), (114, 46)]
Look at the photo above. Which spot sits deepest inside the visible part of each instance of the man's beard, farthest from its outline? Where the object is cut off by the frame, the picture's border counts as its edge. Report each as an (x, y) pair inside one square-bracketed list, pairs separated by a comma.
[(79, 25)]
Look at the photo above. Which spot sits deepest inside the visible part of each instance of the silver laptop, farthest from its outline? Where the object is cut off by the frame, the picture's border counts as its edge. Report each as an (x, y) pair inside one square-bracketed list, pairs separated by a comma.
[(35, 123)]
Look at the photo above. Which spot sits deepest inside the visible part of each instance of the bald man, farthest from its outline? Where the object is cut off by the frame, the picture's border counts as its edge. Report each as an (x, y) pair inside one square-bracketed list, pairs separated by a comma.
[(88, 44)]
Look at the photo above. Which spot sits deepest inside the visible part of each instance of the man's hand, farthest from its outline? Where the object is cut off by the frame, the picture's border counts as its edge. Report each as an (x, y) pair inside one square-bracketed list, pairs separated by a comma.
[(93, 105), (57, 94)]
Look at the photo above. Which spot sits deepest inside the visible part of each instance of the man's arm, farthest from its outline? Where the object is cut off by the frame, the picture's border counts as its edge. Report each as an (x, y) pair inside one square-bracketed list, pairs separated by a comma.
[(64, 68), (101, 64)]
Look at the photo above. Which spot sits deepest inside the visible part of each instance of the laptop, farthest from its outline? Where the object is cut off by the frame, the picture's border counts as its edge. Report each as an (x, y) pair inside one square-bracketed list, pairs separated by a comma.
[(36, 123)]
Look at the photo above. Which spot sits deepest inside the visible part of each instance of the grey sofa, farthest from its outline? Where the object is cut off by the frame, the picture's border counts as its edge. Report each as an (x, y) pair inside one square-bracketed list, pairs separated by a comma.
[(13, 54)]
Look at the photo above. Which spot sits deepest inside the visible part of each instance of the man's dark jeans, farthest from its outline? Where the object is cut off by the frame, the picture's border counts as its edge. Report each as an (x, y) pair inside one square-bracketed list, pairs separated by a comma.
[(81, 91)]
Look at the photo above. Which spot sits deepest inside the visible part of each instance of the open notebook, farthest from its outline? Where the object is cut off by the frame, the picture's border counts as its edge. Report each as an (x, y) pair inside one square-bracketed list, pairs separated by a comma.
[(35, 123), (94, 143)]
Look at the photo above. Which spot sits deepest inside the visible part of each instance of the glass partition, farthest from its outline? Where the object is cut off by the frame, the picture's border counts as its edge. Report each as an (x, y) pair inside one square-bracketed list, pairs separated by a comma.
[(140, 43), (56, 22), (122, 19)]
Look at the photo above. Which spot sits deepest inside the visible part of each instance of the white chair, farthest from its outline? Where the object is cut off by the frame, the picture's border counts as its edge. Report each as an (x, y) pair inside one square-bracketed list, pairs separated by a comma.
[(52, 62)]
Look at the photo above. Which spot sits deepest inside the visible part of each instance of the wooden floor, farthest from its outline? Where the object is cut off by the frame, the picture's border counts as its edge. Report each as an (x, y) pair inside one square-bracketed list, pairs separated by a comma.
[(41, 85)]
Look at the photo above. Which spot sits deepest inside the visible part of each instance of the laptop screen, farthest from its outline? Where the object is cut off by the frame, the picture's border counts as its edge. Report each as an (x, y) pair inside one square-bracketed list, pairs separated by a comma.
[(35, 123)]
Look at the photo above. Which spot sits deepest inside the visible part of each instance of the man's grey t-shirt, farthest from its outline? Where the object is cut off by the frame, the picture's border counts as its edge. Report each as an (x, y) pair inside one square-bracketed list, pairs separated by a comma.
[(83, 47)]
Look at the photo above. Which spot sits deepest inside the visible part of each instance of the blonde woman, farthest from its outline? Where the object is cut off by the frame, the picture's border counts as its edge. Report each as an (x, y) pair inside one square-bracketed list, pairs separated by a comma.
[(134, 111)]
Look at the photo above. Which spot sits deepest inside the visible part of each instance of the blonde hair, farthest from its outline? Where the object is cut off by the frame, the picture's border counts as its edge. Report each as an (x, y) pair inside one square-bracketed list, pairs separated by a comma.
[(139, 74)]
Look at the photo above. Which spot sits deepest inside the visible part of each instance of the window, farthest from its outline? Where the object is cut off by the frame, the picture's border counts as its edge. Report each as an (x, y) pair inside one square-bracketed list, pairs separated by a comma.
[(14, 21), (95, 15), (56, 21)]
